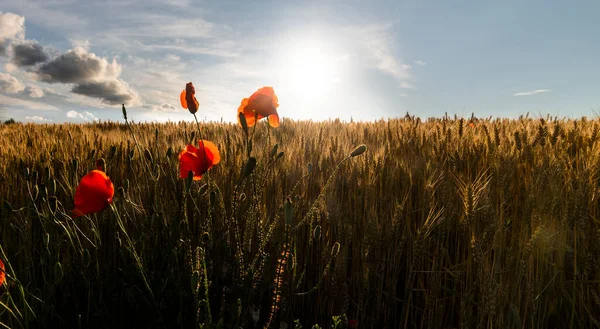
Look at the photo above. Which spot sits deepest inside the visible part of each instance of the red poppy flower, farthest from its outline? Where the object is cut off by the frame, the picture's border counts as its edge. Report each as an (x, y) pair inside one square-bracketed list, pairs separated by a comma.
[(2, 274), (198, 160), (94, 193), (187, 98), (262, 104)]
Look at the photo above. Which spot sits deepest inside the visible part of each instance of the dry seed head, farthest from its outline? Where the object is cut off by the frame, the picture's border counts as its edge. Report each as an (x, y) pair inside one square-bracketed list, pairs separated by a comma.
[(358, 151), (124, 111)]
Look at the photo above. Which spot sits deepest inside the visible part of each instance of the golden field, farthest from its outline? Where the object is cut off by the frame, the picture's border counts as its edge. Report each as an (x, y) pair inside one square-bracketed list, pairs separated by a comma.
[(449, 223)]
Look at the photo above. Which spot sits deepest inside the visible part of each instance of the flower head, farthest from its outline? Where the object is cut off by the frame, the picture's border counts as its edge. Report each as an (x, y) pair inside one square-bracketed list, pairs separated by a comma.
[(262, 104), (94, 193), (188, 98), (198, 160), (2, 273)]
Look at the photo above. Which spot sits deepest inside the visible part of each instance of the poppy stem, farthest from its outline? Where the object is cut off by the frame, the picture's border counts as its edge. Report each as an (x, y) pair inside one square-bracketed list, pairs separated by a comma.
[(203, 149)]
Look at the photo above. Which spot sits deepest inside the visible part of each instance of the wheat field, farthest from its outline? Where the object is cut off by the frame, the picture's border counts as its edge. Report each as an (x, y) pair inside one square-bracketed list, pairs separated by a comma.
[(448, 223)]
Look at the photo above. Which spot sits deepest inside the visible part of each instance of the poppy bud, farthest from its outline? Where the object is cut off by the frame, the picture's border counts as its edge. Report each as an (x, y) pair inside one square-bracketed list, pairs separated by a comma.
[(274, 150), (131, 154), (310, 168), (91, 154), (188, 181), (280, 155), (249, 167), (113, 151), (75, 165), (317, 232), (213, 197), (358, 151), (46, 174), (289, 211), (26, 173), (195, 280), (243, 122), (203, 189), (52, 187), (101, 165), (192, 137), (8, 206), (148, 155), (86, 258), (43, 191), (58, 271), (126, 185), (52, 202), (169, 152), (124, 112), (36, 192), (335, 250), (242, 196)]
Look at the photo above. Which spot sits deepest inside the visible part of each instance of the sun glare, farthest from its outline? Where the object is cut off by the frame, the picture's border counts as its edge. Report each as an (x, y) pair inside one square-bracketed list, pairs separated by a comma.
[(309, 73), (309, 69)]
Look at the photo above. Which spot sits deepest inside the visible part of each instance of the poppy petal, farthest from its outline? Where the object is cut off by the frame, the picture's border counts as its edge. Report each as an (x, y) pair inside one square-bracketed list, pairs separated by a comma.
[(211, 150), (2, 274), (93, 194), (188, 161), (182, 100), (274, 120)]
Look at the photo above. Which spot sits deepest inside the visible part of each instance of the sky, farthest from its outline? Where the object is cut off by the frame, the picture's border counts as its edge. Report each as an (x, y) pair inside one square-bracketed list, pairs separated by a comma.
[(78, 61)]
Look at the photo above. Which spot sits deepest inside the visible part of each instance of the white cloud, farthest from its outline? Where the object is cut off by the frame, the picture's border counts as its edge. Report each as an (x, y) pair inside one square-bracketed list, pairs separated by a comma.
[(11, 27), (420, 62), (533, 92), (35, 91), (10, 84), (379, 46), (406, 85), (81, 43), (37, 118), (164, 108), (27, 104), (10, 67), (84, 116)]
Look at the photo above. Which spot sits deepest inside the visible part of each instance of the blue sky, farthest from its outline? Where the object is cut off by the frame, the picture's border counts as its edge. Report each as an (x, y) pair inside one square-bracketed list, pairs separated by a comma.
[(325, 59)]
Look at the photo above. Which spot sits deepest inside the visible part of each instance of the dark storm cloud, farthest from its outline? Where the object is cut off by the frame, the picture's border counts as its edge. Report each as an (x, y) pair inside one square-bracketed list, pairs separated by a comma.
[(28, 53), (110, 92), (78, 66)]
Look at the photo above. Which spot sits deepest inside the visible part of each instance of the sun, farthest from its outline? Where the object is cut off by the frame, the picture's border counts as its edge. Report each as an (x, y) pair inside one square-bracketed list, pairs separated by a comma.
[(309, 68), (308, 75)]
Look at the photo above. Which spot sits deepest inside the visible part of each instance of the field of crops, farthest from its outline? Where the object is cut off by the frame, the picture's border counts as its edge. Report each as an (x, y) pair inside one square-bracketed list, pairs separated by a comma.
[(448, 223)]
